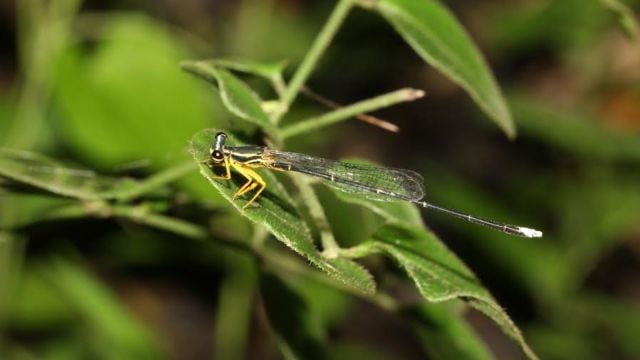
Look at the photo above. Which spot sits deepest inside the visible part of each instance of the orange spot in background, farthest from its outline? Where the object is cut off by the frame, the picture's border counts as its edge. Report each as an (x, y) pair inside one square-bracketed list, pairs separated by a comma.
[(621, 110)]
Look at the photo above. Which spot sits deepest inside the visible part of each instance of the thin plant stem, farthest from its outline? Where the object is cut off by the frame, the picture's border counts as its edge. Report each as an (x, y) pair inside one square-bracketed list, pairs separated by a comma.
[(272, 259), (310, 60), (332, 117), (375, 121), (329, 245), (157, 180)]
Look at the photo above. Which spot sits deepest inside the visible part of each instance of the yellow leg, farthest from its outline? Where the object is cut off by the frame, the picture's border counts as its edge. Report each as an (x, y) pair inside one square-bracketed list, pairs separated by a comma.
[(227, 168), (255, 180), (247, 185), (263, 185), (247, 189)]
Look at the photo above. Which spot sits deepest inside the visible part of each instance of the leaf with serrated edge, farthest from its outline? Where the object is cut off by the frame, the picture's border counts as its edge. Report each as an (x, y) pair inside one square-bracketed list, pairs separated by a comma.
[(435, 34), (276, 211), (439, 275)]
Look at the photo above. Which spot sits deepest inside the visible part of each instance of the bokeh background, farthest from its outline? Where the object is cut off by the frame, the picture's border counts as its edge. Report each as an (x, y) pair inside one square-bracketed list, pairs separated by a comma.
[(97, 85)]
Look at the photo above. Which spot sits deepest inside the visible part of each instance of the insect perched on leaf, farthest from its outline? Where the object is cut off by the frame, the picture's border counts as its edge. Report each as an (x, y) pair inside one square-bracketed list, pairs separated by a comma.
[(374, 182)]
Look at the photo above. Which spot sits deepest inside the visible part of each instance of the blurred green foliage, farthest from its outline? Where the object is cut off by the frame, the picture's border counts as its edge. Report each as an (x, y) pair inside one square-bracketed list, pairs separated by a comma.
[(149, 260)]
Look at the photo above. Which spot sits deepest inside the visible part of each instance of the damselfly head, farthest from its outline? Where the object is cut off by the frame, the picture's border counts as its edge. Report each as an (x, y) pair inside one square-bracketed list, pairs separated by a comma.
[(217, 148)]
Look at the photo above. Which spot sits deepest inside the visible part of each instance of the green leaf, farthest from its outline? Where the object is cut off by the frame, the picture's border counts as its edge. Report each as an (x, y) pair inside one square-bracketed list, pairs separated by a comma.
[(39, 172), (445, 333), (439, 275), (125, 100), (297, 333), (271, 71), (434, 33), (267, 70), (350, 273), (276, 211), (236, 95)]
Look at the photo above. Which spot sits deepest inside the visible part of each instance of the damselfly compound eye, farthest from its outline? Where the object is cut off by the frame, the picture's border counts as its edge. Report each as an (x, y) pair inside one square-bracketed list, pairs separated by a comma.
[(217, 156)]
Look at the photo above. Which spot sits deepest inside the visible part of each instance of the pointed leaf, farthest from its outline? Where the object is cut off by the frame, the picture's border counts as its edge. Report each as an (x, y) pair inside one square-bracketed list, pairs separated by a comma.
[(439, 275), (434, 33), (39, 172), (276, 211), (268, 71), (236, 95), (124, 100)]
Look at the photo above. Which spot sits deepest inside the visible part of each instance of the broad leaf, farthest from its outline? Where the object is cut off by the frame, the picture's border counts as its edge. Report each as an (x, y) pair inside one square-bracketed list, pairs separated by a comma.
[(236, 95), (434, 33), (276, 211), (124, 100), (439, 275)]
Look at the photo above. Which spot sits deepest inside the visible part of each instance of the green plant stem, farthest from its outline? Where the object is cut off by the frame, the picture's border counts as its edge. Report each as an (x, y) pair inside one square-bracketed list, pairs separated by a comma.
[(279, 86), (157, 180), (341, 114), (359, 251), (272, 259), (330, 247), (143, 215), (310, 60)]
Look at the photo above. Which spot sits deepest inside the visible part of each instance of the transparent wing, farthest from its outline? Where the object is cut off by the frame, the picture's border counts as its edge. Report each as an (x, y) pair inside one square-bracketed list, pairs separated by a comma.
[(373, 182)]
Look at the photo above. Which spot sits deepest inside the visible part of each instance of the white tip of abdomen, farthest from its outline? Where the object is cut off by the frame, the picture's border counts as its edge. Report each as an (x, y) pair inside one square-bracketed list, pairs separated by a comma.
[(530, 233)]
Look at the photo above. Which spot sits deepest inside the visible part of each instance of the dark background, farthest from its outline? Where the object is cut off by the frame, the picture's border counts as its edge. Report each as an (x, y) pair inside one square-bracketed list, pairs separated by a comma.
[(572, 80)]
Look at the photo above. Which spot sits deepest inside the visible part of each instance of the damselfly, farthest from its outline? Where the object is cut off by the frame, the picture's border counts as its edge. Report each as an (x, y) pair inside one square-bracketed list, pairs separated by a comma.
[(374, 182)]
